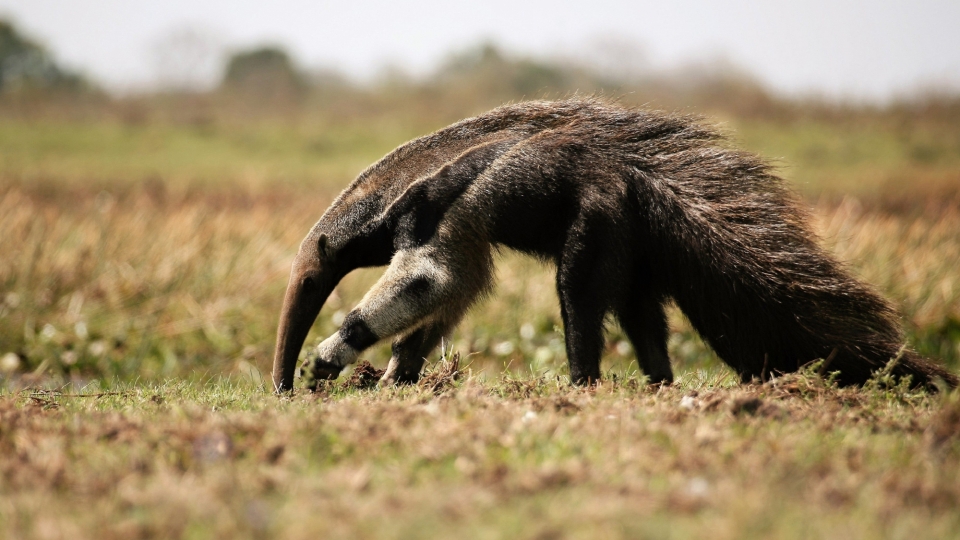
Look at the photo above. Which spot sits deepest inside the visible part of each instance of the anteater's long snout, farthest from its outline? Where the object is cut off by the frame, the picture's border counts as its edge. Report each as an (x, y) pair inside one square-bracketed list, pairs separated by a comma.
[(307, 290)]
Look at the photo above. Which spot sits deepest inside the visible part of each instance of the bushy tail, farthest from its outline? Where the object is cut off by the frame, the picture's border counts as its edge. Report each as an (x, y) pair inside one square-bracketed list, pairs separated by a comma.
[(733, 248)]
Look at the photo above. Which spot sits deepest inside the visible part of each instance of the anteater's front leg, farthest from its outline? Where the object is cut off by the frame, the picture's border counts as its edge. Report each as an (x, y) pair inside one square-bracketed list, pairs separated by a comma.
[(410, 352), (418, 289)]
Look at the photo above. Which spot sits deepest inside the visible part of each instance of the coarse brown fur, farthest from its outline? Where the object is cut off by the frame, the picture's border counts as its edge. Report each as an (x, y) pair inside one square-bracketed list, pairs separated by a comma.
[(634, 208)]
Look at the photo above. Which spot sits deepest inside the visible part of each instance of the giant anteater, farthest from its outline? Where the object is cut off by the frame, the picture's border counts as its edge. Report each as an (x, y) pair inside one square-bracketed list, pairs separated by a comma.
[(634, 208)]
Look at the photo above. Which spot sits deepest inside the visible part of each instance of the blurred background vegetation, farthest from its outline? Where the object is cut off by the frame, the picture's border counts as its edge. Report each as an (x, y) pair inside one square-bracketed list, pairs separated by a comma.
[(149, 234)]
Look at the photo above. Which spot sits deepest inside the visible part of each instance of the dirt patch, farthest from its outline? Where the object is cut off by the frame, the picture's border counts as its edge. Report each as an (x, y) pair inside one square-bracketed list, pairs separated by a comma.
[(364, 377)]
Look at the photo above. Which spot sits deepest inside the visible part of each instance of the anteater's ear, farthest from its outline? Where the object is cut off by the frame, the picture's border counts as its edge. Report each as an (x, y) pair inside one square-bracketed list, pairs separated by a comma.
[(322, 245), (415, 215)]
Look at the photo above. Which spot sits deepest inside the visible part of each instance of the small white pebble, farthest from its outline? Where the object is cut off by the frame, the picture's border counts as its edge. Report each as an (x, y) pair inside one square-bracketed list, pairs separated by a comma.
[(528, 417), (503, 348), (48, 331), (698, 487), (97, 348), (688, 402), (69, 358), (623, 347), (527, 331), (543, 354), (338, 317), (9, 362)]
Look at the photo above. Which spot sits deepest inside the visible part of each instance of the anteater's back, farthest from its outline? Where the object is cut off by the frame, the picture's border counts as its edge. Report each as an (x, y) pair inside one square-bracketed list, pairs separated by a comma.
[(722, 234), (732, 246)]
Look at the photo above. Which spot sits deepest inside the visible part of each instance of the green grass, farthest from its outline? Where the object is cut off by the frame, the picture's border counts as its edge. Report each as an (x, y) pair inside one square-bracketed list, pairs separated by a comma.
[(113, 154), (862, 159), (320, 149)]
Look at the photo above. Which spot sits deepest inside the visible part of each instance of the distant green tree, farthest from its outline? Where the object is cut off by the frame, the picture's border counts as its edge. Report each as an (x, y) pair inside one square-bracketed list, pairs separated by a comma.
[(264, 72), (26, 65), (487, 69)]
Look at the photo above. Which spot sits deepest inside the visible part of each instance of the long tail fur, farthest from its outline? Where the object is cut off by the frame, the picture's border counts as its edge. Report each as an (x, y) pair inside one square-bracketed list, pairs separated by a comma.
[(734, 251)]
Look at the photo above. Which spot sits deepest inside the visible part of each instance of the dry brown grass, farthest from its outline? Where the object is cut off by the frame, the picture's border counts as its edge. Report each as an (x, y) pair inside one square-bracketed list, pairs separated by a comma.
[(150, 283), (139, 284), (912, 258)]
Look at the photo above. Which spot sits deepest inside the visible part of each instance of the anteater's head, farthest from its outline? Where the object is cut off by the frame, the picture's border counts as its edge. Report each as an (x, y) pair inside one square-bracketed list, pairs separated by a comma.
[(313, 276), (350, 235), (361, 226)]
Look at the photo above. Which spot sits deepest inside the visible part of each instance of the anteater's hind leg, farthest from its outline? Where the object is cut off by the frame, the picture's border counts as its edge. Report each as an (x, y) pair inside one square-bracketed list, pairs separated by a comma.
[(583, 327), (584, 290), (411, 350), (645, 323)]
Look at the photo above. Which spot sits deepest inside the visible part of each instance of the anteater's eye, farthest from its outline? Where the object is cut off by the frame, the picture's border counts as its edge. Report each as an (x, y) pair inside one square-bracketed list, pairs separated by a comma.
[(306, 284)]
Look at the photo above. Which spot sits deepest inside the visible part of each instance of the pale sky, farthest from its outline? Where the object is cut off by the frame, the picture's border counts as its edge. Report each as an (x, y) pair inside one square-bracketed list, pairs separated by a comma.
[(861, 49)]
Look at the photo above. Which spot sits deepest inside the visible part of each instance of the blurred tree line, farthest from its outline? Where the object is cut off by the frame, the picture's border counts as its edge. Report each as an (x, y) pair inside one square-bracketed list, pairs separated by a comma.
[(26, 66), (485, 76), (265, 82)]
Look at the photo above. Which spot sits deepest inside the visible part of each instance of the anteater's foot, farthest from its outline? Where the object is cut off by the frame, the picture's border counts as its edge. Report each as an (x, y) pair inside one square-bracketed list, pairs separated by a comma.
[(585, 380), (660, 379), (397, 376), (315, 370)]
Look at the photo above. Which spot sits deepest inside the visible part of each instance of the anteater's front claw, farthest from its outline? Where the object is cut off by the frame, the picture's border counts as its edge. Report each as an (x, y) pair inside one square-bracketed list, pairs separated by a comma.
[(316, 369)]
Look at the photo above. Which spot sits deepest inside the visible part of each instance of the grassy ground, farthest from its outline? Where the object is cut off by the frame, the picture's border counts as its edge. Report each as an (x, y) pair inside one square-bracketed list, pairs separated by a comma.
[(150, 247), (506, 457), (148, 283), (143, 257)]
